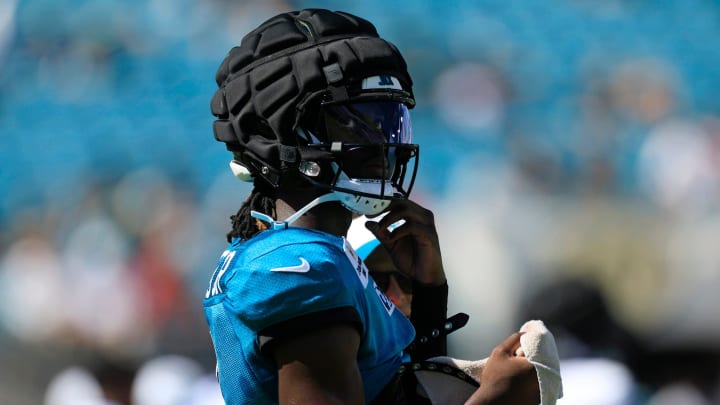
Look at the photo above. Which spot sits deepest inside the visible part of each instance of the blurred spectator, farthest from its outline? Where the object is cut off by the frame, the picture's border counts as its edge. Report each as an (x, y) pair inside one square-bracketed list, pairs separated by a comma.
[(594, 347), (32, 287), (678, 167), (597, 381), (576, 311), (75, 386), (205, 391), (471, 98), (679, 393), (176, 375), (598, 356)]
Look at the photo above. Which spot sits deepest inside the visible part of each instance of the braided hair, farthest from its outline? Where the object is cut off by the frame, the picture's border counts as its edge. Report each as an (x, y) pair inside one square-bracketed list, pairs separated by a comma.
[(244, 226)]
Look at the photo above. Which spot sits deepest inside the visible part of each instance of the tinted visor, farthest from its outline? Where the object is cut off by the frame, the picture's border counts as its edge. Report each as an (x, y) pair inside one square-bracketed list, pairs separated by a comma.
[(367, 130), (366, 123)]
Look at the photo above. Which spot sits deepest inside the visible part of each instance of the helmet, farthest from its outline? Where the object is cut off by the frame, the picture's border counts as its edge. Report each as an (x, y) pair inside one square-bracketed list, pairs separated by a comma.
[(318, 93)]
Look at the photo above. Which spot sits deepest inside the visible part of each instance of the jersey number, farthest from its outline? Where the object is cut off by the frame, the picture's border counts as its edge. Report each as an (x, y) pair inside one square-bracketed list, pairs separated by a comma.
[(223, 264)]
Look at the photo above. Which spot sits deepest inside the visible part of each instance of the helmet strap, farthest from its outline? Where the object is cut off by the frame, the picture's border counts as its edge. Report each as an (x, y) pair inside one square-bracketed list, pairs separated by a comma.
[(275, 224)]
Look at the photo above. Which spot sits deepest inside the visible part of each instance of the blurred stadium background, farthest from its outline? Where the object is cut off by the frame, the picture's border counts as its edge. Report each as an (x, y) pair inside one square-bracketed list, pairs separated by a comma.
[(561, 140)]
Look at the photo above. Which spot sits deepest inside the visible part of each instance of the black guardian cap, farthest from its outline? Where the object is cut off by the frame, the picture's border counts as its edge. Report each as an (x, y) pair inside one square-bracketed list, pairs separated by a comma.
[(277, 79)]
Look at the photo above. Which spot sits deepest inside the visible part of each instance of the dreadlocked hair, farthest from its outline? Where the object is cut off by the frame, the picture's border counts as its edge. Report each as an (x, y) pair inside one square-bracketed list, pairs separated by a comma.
[(244, 226)]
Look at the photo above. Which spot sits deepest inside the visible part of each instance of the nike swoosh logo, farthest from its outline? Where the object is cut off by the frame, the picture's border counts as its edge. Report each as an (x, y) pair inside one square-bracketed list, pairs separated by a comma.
[(303, 267)]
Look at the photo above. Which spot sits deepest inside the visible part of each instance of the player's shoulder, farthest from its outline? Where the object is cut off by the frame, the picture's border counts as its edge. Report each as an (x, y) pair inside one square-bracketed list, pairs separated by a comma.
[(287, 273), (293, 241), (287, 249)]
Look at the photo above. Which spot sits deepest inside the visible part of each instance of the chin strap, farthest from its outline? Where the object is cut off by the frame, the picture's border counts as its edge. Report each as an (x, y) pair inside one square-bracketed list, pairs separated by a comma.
[(274, 224)]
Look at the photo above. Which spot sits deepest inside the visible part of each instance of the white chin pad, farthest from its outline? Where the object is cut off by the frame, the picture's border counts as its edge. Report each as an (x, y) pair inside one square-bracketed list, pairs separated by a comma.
[(363, 205), (240, 171)]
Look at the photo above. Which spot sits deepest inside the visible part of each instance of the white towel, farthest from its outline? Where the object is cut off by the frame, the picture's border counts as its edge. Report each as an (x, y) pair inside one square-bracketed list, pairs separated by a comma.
[(537, 344)]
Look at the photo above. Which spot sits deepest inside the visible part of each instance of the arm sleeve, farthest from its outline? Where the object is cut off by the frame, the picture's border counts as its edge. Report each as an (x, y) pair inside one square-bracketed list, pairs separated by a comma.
[(429, 312)]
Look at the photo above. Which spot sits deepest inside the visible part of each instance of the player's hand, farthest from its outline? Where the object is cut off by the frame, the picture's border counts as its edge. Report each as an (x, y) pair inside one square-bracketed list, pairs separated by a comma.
[(507, 379), (414, 246)]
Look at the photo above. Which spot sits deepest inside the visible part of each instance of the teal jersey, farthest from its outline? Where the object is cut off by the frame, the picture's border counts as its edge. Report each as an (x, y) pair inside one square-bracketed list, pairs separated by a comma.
[(284, 282)]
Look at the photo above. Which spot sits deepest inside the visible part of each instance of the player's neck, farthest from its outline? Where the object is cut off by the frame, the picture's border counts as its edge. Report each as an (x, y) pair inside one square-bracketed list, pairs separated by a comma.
[(330, 217)]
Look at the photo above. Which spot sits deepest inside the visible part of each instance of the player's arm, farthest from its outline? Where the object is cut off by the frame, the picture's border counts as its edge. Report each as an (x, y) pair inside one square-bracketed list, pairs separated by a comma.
[(415, 249), (320, 366)]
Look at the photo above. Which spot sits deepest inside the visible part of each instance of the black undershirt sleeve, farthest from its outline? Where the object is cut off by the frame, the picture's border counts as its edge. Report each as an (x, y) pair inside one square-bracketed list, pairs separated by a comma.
[(429, 312)]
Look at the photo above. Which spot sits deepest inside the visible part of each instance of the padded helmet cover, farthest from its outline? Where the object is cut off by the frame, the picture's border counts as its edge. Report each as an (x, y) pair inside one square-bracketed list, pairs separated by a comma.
[(280, 73)]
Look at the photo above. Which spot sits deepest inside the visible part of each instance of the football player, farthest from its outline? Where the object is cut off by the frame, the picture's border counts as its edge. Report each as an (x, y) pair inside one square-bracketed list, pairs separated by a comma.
[(314, 107)]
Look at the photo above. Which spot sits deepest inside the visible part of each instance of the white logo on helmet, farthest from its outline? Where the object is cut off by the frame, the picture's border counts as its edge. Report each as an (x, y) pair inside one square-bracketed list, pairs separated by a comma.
[(381, 82)]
